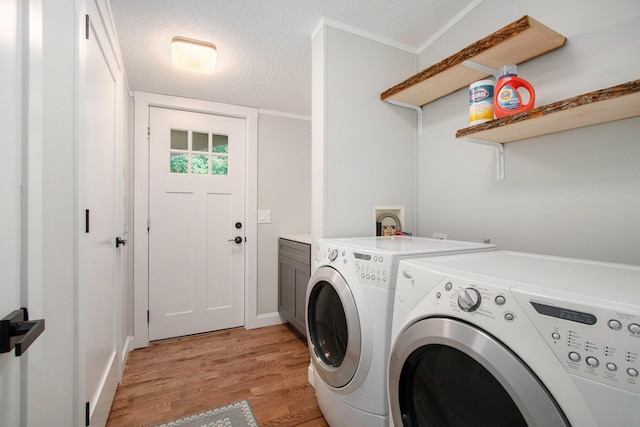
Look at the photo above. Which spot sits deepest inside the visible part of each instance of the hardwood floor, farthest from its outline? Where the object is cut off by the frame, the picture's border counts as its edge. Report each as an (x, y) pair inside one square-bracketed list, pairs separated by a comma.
[(182, 376)]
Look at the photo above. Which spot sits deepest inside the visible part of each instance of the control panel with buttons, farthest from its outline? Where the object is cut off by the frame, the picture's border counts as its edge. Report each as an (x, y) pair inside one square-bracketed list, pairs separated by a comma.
[(477, 299), (591, 340), (466, 299), (374, 269)]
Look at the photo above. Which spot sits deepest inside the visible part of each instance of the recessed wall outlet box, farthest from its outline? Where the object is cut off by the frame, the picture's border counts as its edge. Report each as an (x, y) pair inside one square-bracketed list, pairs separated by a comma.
[(440, 236), (389, 216), (264, 217)]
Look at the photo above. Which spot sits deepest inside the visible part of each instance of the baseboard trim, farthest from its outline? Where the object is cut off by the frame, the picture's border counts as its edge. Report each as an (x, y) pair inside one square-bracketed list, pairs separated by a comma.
[(269, 319), (100, 405), (126, 349)]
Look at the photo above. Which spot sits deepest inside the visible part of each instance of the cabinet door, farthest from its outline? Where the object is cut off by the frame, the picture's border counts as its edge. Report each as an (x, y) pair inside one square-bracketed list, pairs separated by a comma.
[(294, 271), (303, 274), (286, 287)]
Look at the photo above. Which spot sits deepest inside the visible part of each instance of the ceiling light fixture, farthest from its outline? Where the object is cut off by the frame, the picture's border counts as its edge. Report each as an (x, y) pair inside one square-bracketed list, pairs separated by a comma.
[(193, 55)]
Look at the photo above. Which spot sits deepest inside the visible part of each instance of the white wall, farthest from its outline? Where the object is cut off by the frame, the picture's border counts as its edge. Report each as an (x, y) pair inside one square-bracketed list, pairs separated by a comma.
[(284, 188), (575, 193), (363, 148)]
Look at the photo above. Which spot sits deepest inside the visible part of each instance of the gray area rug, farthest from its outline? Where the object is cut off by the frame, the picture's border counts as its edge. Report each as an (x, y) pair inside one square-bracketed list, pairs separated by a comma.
[(238, 414)]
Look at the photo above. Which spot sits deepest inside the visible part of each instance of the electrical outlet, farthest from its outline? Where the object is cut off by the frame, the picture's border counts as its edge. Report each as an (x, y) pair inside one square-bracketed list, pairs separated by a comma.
[(440, 236), (264, 217)]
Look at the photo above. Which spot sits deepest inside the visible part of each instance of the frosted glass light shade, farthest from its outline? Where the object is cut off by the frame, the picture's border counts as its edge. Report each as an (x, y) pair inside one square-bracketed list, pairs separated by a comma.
[(193, 55)]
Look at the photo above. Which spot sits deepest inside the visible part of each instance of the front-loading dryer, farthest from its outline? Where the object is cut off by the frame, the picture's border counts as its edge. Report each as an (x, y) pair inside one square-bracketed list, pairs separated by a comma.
[(513, 339), (349, 308)]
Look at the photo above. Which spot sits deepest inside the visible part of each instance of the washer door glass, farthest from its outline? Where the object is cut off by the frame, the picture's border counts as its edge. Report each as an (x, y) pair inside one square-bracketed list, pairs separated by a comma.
[(448, 373), (333, 327), (442, 386), (329, 325)]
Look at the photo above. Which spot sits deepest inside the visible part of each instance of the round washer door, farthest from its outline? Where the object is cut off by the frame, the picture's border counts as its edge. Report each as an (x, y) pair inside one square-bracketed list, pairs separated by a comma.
[(444, 372), (333, 327)]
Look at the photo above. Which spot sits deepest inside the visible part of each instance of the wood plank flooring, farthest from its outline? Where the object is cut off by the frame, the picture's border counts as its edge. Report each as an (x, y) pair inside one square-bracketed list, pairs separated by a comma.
[(182, 376)]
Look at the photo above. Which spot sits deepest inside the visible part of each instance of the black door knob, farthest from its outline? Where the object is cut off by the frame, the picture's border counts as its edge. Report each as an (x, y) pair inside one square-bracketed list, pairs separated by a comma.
[(237, 239)]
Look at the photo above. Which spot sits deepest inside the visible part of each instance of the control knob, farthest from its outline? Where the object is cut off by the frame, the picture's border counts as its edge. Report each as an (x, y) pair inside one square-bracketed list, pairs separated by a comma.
[(469, 299), (333, 255)]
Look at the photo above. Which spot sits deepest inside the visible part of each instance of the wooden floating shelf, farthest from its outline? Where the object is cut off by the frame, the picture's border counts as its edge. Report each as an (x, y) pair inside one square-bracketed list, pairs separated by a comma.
[(518, 42), (605, 105)]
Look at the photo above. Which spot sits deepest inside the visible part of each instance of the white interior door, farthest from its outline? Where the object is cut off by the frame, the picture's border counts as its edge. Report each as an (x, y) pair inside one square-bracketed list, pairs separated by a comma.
[(196, 210), (97, 294), (10, 390)]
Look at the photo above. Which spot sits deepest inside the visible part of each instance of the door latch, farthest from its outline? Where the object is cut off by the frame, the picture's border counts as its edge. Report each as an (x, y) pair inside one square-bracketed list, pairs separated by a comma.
[(16, 331), (120, 242)]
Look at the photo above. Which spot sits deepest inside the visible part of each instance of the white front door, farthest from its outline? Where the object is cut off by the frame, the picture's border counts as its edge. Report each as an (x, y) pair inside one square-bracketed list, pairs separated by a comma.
[(196, 214), (10, 390)]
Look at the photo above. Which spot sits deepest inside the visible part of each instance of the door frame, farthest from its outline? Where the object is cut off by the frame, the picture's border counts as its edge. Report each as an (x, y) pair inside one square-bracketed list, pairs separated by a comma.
[(143, 102)]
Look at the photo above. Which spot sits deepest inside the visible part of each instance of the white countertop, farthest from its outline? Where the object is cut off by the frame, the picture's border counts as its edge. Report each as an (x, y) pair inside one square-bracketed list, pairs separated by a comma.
[(302, 238)]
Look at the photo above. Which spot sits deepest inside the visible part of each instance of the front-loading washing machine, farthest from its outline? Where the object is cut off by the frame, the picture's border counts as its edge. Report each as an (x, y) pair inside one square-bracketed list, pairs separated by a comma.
[(514, 339), (349, 307)]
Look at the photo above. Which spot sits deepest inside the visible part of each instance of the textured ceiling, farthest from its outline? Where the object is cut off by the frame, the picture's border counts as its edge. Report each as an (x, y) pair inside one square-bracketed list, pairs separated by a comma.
[(264, 46)]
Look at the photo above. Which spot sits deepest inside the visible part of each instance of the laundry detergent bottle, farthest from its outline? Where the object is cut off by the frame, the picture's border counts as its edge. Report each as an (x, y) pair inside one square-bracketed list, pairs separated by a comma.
[(508, 100)]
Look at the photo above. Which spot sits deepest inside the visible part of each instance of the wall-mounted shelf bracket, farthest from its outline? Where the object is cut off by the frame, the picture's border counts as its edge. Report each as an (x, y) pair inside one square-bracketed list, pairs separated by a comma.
[(417, 109), (482, 68), (499, 155)]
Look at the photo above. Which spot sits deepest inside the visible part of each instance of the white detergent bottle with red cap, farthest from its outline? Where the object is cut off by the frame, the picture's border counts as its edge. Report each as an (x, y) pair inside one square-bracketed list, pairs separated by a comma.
[(508, 100)]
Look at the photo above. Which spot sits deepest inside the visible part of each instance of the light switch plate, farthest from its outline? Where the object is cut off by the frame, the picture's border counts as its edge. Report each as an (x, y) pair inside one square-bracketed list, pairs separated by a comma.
[(264, 217)]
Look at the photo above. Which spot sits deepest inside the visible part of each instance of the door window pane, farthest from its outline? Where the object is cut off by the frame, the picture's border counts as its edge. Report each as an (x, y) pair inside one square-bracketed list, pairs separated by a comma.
[(179, 163), (219, 165), (192, 153), (199, 164), (200, 141), (220, 144), (179, 139)]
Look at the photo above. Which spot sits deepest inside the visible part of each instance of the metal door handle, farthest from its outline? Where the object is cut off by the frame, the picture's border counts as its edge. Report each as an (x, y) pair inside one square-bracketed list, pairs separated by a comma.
[(119, 242), (237, 239), (16, 331)]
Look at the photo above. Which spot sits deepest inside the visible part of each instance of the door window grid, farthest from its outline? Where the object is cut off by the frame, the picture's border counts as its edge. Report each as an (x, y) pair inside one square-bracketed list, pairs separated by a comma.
[(198, 153)]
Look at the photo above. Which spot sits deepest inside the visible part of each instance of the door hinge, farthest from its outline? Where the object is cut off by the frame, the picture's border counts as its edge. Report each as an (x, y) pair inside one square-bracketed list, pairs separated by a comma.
[(148, 224), (148, 133), (87, 25), (87, 418), (148, 316), (86, 220)]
